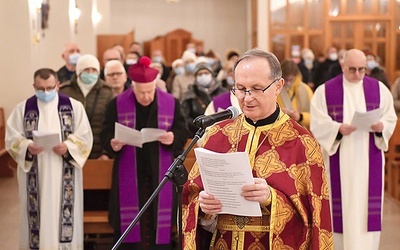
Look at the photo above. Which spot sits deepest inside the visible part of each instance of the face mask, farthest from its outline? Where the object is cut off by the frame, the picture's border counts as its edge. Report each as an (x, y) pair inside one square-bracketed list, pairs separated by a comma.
[(193, 50), (308, 63), (46, 96), (229, 80), (333, 56), (204, 80), (157, 59), (73, 58), (190, 67), (372, 64), (211, 61), (130, 61), (179, 70), (89, 78)]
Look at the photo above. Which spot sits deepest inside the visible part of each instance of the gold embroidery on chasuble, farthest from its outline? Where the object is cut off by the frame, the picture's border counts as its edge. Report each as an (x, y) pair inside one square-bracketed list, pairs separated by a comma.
[(301, 176), (283, 215), (234, 132), (210, 132), (278, 244), (317, 204), (281, 134), (256, 245), (268, 163), (313, 153), (325, 240)]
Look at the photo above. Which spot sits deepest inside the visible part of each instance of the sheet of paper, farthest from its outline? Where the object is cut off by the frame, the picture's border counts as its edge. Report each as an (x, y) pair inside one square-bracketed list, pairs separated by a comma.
[(134, 137), (128, 135), (151, 134), (45, 139), (223, 176), (364, 120)]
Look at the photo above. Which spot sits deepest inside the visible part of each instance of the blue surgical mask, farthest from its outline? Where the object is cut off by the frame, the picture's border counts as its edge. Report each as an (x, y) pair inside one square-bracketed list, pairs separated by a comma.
[(46, 96), (73, 58), (157, 59), (204, 80), (190, 67), (179, 70), (89, 78), (372, 64)]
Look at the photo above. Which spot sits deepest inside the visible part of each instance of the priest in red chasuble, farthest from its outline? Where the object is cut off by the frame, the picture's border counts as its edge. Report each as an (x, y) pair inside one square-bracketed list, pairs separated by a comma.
[(290, 181)]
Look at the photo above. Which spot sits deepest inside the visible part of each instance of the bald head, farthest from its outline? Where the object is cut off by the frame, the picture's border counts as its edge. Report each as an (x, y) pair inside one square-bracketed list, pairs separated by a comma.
[(354, 65)]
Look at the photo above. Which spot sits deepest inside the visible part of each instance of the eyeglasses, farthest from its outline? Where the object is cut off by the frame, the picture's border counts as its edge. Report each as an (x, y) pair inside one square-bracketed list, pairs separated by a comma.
[(115, 74), (354, 69), (253, 92), (46, 89)]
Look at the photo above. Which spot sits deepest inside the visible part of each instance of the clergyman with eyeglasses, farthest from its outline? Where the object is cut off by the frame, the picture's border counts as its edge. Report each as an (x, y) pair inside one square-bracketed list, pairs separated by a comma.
[(288, 169), (49, 175), (354, 156)]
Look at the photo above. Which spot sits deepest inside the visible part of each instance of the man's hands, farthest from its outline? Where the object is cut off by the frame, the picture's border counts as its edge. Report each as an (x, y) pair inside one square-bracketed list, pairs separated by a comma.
[(116, 144), (167, 138), (259, 191), (34, 149)]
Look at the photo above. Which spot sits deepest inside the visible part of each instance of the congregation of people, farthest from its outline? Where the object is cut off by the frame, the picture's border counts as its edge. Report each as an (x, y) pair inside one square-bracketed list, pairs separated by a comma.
[(317, 178)]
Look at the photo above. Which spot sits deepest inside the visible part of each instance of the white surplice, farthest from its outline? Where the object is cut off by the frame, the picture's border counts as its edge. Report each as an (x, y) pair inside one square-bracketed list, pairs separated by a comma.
[(50, 171), (354, 167)]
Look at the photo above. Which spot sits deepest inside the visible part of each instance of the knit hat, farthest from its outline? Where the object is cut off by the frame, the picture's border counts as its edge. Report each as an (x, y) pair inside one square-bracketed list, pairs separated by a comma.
[(141, 72), (176, 62), (187, 55), (201, 66), (87, 61)]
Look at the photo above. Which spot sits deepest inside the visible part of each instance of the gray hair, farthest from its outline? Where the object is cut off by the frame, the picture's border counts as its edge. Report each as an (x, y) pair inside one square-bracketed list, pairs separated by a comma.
[(275, 66), (113, 63)]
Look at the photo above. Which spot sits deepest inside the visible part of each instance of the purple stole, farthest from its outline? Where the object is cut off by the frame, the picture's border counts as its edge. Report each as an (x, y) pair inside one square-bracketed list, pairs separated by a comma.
[(31, 121), (222, 101), (128, 183), (334, 101)]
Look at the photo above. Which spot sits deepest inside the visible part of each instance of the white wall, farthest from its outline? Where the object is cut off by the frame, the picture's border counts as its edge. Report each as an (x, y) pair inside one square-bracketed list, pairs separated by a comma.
[(221, 24)]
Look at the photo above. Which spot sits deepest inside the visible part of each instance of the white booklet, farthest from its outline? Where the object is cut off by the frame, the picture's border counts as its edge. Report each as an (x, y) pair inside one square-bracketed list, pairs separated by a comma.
[(364, 120), (224, 175), (45, 139), (135, 137)]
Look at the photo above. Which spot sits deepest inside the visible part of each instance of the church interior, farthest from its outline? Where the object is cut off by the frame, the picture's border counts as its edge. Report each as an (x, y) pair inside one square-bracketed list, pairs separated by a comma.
[(34, 33)]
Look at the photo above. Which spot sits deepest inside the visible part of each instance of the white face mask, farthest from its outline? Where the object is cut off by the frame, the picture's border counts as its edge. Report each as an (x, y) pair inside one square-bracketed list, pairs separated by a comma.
[(333, 56), (229, 80), (372, 64), (204, 80), (130, 61)]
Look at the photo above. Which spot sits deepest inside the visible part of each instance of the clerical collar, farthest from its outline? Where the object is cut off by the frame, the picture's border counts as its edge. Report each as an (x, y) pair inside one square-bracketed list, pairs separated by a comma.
[(269, 120)]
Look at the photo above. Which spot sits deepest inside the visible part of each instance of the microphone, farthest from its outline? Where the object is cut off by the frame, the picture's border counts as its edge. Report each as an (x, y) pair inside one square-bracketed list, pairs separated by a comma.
[(204, 121)]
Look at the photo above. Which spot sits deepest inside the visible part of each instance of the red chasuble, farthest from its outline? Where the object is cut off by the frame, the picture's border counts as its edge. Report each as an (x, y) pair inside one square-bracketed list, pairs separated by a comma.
[(290, 160)]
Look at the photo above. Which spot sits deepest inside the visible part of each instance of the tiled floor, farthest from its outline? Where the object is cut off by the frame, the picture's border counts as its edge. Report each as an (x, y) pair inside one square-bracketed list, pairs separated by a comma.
[(9, 213)]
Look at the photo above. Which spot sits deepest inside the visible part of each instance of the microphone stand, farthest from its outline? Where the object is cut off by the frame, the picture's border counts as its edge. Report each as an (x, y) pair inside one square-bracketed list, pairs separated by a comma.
[(178, 175)]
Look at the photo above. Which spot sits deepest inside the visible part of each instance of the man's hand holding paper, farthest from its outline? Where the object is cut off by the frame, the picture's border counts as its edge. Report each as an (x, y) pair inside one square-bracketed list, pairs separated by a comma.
[(229, 184), (365, 120), (126, 135)]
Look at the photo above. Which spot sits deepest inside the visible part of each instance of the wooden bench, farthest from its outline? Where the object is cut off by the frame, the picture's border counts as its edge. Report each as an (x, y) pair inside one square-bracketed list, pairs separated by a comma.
[(97, 176), (190, 157), (6, 162)]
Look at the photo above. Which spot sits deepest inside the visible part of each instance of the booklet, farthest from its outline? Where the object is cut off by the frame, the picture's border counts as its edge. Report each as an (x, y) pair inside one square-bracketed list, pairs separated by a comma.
[(135, 137), (364, 120), (224, 175), (45, 139)]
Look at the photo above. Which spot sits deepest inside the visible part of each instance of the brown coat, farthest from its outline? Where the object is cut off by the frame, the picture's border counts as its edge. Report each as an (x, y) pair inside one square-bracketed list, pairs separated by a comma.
[(95, 104)]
